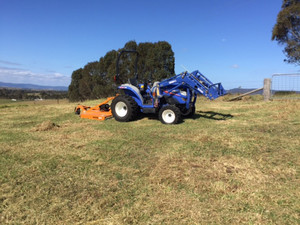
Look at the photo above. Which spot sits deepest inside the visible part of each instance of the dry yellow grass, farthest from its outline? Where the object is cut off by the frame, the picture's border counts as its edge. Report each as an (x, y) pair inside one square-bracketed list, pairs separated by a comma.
[(234, 163)]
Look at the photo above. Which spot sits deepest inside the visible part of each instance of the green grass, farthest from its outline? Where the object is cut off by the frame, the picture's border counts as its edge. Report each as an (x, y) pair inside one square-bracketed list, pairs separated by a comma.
[(235, 162)]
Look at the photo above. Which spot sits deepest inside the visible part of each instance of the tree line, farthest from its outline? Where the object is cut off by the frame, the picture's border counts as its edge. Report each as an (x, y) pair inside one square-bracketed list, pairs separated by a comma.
[(26, 94), (96, 79)]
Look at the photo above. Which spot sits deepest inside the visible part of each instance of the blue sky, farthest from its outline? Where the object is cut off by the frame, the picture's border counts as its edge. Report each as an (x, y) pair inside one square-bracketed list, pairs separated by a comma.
[(43, 42)]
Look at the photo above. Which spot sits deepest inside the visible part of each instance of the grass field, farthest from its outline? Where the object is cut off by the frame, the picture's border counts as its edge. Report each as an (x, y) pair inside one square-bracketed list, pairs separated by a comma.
[(233, 163)]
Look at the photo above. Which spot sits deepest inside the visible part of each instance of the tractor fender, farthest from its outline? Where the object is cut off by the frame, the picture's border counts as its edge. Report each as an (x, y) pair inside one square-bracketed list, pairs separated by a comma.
[(134, 92)]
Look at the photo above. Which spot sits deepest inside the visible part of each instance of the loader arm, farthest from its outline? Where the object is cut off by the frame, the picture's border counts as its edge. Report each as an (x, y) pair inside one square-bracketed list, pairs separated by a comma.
[(195, 82)]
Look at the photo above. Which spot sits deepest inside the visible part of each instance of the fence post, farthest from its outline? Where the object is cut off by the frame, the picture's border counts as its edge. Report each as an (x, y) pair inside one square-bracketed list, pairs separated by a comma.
[(267, 89)]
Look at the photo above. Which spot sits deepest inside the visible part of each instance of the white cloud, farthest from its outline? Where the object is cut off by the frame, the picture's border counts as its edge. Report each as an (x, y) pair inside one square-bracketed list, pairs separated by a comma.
[(235, 66), (9, 63), (14, 75)]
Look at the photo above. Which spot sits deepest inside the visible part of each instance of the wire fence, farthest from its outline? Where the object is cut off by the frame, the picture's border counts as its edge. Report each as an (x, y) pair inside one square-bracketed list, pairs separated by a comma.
[(285, 86)]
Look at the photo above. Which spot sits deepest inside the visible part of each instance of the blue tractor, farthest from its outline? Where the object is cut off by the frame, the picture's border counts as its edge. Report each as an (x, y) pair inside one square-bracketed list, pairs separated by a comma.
[(171, 98)]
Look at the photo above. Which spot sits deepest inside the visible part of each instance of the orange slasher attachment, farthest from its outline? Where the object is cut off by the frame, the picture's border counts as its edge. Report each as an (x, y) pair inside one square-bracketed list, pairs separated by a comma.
[(101, 111)]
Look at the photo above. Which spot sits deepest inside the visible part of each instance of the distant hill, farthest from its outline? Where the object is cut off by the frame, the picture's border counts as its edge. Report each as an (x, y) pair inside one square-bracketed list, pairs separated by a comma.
[(33, 87), (244, 90)]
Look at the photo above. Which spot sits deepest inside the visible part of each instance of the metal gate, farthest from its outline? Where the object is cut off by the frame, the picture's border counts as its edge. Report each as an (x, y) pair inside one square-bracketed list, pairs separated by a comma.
[(285, 86)]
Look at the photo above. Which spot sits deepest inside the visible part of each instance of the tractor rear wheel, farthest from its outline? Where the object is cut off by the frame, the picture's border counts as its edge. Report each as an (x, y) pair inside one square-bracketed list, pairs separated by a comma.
[(169, 114), (124, 108)]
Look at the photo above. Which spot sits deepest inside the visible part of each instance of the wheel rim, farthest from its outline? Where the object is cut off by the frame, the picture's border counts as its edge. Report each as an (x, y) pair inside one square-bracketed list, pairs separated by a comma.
[(121, 109), (168, 116)]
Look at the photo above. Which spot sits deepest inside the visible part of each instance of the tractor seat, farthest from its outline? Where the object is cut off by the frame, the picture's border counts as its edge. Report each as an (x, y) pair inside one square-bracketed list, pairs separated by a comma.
[(154, 86), (133, 81)]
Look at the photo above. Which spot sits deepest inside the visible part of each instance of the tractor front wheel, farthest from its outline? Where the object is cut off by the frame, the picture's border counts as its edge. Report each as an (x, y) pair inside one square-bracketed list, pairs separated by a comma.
[(124, 108), (169, 114)]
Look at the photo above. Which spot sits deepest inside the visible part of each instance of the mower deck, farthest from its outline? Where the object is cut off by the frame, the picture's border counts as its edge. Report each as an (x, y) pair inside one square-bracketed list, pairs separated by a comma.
[(101, 111)]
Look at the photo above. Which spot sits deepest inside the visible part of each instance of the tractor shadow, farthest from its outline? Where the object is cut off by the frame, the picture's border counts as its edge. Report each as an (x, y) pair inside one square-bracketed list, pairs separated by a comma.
[(211, 115), (199, 114)]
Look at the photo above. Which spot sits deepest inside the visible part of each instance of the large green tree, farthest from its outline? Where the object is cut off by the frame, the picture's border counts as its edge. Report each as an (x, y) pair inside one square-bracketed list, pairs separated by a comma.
[(73, 91), (287, 30), (96, 79)]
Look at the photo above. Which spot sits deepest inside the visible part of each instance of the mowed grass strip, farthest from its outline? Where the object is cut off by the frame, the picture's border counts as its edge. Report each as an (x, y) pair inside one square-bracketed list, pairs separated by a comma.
[(234, 162)]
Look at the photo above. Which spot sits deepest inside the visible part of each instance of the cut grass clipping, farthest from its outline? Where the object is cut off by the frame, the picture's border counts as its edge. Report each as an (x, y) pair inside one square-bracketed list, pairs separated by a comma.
[(233, 163)]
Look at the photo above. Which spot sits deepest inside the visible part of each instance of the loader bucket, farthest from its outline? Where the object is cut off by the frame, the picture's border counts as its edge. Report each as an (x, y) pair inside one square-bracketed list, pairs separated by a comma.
[(101, 111)]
